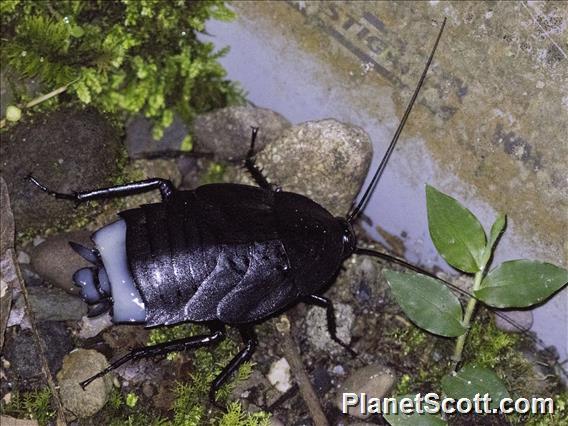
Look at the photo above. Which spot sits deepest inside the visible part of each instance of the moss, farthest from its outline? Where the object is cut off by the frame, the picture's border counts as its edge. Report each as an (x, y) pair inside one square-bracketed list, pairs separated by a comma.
[(103, 52), (190, 406), (34, 405), (214, 173)]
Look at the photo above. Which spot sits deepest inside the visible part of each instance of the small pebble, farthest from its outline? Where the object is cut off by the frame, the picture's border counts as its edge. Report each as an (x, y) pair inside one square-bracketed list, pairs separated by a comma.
[(279, 375)]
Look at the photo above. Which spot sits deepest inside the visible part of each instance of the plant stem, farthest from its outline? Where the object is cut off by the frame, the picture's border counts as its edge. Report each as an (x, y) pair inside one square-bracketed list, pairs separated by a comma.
[(43, 98), (470, 309)]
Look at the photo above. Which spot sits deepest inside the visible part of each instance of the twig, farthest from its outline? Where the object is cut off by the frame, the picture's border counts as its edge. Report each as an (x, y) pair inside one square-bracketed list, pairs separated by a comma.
[(292, 355), (37, 338), (43, 98)]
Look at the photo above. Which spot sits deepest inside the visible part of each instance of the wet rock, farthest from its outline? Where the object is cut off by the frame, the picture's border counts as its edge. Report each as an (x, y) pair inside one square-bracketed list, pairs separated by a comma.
[(226, 132), (57, 342), (22, 353), (67, 150), (56, 261), (141, 144), (30, 277), (321, 380), (316, 327), (79, 365), (326, 161), (53, 304), (162, 168), (23, 257), (375, 380), (279, 375), (24, 357), (519, 321), (18, 315), (91, 327)]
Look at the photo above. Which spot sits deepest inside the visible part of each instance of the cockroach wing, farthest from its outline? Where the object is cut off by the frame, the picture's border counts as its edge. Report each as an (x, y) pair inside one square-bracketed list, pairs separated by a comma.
[(237, 213), (265, 289)]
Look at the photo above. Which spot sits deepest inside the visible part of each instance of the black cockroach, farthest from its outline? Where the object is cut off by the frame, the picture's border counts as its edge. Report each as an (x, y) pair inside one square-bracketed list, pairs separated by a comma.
[(221, 254)]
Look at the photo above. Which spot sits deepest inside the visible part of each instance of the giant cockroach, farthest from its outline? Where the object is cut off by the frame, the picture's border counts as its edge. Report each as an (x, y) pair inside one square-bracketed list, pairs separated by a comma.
[(220, 255)]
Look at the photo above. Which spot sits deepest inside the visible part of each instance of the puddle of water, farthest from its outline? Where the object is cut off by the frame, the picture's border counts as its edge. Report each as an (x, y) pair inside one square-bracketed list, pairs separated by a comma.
[(280, 73)]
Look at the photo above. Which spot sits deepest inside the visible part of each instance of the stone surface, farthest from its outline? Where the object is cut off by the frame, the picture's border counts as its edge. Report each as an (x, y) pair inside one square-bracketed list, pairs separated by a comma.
[(326, 161), (66, 150), (519, 321), (91, 327), (141, 144), (279, 375), (56, 262), (375, 380), (160, 167), (316, 327), (11, 421), (23, 356), (53, 304), (58, 342), (226, 133), (77, 366)]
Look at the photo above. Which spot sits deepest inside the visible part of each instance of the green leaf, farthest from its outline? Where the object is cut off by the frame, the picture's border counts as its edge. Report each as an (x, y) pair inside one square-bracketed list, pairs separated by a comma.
[(77, 31), (472, 380), (427, 302), (496, 231), (414, 419), (521, 283), (455, 231), (83, 92)]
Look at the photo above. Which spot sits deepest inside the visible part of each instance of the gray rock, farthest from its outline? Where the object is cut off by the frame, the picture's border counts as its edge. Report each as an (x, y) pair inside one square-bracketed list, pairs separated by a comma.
[(78, 366), (56, 262), (57, 341), (226, 132), (520, 321), (162, 168), (91, 327), (23, 356), (375, 380), (11, 421), (326, 161), (53, 304), (279, 375), (67, 150), (141, 144), (316, 327)]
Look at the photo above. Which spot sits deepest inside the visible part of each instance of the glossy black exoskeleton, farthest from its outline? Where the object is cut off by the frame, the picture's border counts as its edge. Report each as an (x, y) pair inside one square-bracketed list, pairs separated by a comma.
[(222, 254)]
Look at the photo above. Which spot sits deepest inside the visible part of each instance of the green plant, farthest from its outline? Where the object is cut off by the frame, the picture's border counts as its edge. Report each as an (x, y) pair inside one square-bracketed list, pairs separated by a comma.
[(460, 239), (34, 405), (190, 406), (122, 56)]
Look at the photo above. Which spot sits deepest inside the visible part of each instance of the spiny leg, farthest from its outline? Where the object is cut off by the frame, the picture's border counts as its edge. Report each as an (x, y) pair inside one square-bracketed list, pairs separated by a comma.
[(162, 349), (249, 338), (255, 172), (165, 186), (330, 314)]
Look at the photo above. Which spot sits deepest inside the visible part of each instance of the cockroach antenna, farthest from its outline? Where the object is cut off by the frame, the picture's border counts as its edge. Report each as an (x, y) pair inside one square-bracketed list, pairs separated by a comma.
[(352, 216)]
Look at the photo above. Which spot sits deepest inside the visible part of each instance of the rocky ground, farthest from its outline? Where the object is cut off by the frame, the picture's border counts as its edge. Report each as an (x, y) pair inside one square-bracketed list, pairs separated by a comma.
[(325, 160)]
